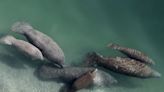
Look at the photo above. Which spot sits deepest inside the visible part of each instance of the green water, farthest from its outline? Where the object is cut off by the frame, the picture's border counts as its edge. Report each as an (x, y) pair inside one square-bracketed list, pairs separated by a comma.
[(80, 26)]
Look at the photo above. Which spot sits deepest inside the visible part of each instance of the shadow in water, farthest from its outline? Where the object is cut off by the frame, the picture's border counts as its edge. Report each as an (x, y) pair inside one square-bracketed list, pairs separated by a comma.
[(65, 88), (4, 34), (11, 61), (124, 80)]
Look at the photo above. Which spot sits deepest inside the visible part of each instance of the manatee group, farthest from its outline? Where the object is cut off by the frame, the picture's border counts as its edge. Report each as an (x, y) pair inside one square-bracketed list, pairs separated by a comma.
[(23, 46), (49, 48), (123, 65), (41, 47), (70, 74)]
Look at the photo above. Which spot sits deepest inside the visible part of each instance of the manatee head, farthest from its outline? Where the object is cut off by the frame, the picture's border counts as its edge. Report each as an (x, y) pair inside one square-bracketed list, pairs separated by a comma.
[(21, 27)]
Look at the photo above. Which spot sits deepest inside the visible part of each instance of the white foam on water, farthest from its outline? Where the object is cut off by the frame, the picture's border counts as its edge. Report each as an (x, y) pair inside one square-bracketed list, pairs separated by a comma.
[(98, 79)]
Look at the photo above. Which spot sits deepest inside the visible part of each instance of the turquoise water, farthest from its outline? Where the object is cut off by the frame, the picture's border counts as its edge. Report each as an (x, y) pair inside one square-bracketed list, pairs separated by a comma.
[(80, 26)]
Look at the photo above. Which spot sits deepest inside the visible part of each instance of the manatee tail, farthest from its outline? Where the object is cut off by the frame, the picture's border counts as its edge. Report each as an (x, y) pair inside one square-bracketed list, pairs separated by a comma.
[(7, 40), (156, 74), (21, 27), (114, 46), (151, 61)]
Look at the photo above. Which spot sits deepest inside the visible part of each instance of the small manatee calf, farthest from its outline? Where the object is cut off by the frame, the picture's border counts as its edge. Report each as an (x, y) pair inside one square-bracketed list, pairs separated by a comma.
[(23, 46), (83, 81), (70, 74), (49, 48), (122, 65), (132, 53)]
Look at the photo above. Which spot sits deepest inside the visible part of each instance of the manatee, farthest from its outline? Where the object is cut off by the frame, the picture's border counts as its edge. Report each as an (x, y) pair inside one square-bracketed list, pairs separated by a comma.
[(48, 47), (70, 74), (23, 46), (122, 65), (83, 81), (132, 53)]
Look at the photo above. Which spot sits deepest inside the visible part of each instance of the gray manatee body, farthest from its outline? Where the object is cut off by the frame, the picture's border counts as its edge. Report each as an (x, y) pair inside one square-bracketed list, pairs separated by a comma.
[(48, 47), (132, 53), (70, 74), (123, 65), (23, 46)]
